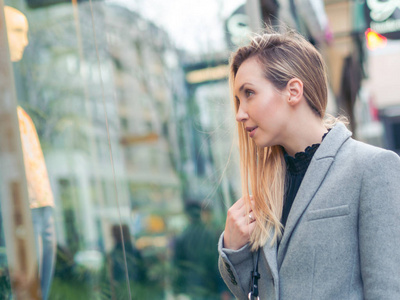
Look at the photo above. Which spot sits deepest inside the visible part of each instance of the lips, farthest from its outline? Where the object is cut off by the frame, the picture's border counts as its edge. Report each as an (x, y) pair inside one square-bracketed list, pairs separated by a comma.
[(251, 130)]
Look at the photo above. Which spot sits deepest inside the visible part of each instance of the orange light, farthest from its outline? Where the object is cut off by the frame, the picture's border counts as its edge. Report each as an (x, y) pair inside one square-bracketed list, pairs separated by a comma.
[(374, 39)]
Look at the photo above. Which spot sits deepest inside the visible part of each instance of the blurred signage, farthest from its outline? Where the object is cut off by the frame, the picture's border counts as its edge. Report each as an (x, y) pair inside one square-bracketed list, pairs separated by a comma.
[(383, 17), (207, 71), (43, 3), (138, 139), (237, 27), (207, 74)]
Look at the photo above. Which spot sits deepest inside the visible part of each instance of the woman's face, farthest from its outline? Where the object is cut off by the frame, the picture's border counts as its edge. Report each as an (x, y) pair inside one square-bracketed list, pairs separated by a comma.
[(262, 108)]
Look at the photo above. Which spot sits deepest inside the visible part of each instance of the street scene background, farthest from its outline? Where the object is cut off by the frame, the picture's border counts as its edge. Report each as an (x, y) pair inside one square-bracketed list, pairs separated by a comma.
[(132, 108)]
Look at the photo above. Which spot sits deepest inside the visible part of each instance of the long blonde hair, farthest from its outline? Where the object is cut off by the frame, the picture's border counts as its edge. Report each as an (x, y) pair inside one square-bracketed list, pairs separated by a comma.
[(283, 56)]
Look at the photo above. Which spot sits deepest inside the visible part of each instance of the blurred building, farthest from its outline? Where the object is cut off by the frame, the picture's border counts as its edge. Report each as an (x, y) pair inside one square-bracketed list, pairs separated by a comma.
[(86, 101), (213, 128)]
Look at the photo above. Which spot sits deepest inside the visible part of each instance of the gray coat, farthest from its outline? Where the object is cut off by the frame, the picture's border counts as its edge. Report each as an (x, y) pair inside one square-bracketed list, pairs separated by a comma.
[(342, 237)]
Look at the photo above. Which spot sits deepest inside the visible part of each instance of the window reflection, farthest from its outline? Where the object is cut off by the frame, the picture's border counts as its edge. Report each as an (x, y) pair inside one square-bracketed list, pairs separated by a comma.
[(195, 259), (41, 200), (17, 32), (134, 153)]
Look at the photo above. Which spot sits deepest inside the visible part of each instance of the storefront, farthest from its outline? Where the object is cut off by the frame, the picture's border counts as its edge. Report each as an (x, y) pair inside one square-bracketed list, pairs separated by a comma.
[(102, 143)]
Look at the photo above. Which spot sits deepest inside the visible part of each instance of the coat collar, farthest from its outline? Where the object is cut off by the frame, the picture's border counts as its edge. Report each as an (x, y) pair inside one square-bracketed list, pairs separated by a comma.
[(333, 141), (313, 178)]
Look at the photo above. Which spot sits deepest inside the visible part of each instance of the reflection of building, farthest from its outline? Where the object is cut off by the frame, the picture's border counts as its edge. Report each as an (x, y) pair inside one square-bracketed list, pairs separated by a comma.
[(123, 88), (149, 84), (65, 98), (212, 128), (64, 91)]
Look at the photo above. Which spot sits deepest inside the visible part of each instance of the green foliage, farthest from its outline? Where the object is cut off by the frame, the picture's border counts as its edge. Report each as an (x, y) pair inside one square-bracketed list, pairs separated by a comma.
[(69, 289), (5, 286)]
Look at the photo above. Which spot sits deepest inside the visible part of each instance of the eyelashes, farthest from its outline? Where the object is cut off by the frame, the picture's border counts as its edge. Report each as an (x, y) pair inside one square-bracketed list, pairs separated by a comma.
[(248, 93)]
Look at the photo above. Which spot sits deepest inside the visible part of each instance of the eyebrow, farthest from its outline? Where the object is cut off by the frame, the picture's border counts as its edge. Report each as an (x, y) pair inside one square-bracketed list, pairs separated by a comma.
[(242, 86)]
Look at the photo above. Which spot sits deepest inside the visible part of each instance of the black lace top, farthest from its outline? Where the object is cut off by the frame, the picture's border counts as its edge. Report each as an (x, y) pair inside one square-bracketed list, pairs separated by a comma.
[(296, 168)]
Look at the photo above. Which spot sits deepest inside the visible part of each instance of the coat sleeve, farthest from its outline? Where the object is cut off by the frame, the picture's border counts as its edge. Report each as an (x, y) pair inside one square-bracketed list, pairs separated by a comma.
[(379, 227), (235, 267)]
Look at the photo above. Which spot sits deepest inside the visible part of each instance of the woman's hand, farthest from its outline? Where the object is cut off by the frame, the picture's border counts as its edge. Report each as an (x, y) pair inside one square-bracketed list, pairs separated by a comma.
[(239, 225)]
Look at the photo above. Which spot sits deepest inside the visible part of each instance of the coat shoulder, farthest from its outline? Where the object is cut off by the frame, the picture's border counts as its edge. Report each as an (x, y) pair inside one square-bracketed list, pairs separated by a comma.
[(366, 152)]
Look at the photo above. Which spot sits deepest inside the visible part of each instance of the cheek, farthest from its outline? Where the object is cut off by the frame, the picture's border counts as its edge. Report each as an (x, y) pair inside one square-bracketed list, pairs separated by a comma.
[(269, 110), (13, 41)]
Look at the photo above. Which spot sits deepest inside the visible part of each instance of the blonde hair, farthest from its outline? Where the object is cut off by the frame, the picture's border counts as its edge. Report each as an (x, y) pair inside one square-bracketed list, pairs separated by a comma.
[(283, 56)]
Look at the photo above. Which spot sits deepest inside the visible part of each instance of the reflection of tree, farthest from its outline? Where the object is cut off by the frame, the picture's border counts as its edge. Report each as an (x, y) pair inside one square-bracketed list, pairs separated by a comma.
[(5, 286), (55, 107), (195, 260), (68, 194)]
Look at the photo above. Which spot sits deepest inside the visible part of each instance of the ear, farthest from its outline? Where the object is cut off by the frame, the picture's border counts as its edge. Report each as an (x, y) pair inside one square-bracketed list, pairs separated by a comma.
[(295, 90)]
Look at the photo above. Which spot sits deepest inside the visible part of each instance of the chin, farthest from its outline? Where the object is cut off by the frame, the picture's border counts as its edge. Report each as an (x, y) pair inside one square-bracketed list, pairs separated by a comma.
[(264, 143), (16, 57)]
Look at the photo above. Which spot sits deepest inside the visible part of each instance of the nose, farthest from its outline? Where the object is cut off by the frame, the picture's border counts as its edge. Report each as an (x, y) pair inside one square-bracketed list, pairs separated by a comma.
[(241, 115), (25, 40)]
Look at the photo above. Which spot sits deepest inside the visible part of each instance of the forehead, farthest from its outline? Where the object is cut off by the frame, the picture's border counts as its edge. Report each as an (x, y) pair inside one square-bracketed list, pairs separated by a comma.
[(15, 19), (249, 71)]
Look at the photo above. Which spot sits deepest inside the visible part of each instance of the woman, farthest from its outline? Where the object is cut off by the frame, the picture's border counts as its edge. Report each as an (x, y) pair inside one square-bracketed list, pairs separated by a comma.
[(324, 215)]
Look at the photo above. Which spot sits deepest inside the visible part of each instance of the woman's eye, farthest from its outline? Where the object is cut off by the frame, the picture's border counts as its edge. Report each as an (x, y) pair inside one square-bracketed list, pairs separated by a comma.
[(249, 93)]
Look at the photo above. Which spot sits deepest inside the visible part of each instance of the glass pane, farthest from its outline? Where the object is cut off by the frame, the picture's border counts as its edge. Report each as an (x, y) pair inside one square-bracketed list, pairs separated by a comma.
[(126, 128)]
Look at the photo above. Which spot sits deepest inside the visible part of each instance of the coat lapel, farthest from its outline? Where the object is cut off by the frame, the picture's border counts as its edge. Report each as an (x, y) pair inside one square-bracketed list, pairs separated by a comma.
[(313, 178), (270, 252)]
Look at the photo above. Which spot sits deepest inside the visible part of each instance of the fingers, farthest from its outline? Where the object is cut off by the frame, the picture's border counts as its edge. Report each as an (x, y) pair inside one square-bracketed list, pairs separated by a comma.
[(252, 226), (251, 217), (239, 204), (240, 212), (240, 224)]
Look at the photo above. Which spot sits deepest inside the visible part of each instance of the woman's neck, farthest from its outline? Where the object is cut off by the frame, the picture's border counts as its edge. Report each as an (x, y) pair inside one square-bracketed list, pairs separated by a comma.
[(304, 133)]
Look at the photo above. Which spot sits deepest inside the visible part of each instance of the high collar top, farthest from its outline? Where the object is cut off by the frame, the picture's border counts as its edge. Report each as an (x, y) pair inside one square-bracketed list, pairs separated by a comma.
[(300, 162)]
